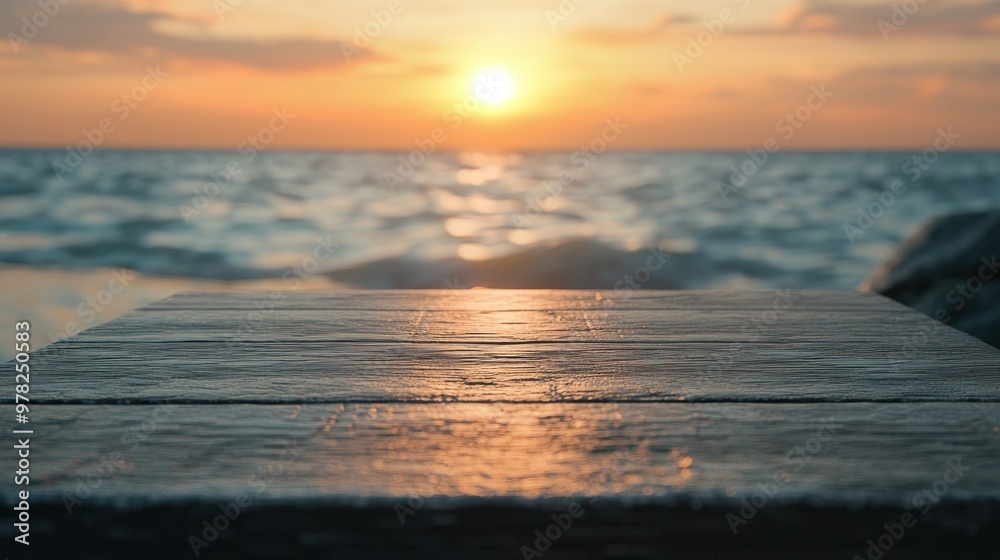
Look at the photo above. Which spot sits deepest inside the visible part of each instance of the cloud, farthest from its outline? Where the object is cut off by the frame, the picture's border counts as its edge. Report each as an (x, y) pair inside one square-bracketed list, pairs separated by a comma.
[(886, 86), (112, 27), (951, 88), (929, 18), (622, 36), (826, 17), (919, 83)]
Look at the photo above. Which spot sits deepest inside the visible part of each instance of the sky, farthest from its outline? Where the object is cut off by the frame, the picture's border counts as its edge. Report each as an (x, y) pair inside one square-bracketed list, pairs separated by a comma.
[(396, 74)]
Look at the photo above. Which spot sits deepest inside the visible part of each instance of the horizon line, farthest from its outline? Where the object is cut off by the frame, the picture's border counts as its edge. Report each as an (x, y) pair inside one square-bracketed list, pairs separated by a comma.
[(904, 149)]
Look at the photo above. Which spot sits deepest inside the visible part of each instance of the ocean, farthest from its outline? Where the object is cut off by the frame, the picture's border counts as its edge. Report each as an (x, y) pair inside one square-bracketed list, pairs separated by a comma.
[(83, 243)]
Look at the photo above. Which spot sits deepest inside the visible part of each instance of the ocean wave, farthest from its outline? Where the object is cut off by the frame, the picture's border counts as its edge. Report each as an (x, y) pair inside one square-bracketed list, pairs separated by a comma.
[(476, 219)]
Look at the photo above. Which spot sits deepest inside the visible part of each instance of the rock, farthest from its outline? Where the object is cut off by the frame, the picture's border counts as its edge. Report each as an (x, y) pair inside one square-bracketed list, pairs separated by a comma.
[(579, 264), (949, 268)]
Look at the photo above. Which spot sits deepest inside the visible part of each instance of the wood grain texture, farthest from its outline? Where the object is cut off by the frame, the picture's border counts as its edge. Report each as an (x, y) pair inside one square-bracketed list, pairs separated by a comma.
[(519, 346), (332, 372), (497, 327), (837, 453), (663, 412), (520, 300)]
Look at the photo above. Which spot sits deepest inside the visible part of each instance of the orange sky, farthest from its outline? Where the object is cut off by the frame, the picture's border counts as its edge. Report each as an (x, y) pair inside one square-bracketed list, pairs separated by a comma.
[(574, 63)]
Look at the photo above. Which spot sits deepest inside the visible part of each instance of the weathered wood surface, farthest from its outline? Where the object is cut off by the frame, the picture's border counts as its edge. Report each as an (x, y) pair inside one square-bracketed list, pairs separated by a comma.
[(520, 300), (635, 326), (332, 372), (519, 346), (837, 453), (495, 408)]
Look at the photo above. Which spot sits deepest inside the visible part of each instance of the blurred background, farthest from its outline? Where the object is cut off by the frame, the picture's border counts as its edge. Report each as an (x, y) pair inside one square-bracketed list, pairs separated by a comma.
[(152, 146)]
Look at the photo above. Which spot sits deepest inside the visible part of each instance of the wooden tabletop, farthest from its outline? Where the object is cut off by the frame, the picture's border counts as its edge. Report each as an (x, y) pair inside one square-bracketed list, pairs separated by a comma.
[(835, 407)]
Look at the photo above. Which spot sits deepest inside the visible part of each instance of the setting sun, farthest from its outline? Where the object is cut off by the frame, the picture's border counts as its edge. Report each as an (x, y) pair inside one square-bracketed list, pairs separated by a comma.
[(493, 86)]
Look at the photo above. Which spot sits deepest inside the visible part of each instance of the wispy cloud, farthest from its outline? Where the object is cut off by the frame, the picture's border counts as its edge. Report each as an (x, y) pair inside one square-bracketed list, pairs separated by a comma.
[(931, 18), (622, 36), (113, 27), (824, 17), (965, 86)]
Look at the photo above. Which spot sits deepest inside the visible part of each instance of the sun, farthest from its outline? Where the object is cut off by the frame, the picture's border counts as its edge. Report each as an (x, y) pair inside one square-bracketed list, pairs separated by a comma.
[(493, 86)]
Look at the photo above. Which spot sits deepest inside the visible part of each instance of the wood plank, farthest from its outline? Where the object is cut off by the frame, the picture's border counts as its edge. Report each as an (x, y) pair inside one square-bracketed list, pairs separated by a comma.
[(662, 413), (620, 326), (520, 300), (716, 453), (875, 351), (821, 370)]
